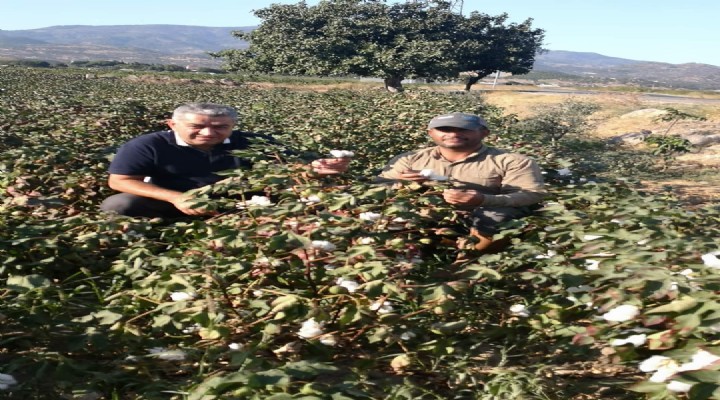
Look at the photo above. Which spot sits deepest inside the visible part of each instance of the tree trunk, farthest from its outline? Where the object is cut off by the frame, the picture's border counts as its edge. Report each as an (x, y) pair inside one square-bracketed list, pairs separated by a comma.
[(471, 80), (393, 84)]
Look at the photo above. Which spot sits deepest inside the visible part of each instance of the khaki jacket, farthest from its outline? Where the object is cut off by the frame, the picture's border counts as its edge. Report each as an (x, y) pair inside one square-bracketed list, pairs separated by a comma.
[(506, 179)]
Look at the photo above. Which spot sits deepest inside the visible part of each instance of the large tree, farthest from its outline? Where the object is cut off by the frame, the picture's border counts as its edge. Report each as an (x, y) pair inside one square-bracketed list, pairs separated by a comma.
[(424, 39)]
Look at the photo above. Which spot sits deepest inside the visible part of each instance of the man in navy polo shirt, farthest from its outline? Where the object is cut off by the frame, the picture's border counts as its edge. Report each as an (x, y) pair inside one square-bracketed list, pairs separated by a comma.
[(154, 170)]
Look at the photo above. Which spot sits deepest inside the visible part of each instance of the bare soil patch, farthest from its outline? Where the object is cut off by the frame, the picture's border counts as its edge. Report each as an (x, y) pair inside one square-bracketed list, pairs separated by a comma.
[(632, 112)]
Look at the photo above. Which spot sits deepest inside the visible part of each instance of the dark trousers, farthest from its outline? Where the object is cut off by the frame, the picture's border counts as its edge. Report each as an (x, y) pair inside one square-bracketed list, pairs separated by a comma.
[(487, 219), (138, 206)]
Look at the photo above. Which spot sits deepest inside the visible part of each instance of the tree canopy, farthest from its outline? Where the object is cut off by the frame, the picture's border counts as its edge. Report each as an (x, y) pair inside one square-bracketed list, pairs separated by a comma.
[(370, 38)]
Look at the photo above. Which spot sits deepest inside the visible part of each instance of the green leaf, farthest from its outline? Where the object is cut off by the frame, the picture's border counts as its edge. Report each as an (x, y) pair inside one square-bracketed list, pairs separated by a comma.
[(284, 302), (682, 304), (107, 317), (23, 283), (448, 328)]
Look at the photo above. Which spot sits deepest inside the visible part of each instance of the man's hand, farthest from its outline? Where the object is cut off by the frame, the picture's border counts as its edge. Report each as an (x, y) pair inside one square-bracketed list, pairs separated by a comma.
[(185, 205), (330, 166), (412, 175), (460, 197)]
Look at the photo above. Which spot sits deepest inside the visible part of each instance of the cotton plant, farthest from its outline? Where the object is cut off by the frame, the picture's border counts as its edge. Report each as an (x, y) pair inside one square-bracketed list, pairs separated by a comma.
[(665, 368)]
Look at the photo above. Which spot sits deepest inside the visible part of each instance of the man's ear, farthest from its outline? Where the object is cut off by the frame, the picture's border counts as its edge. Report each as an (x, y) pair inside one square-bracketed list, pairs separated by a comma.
[(170, 123), (484, 132)]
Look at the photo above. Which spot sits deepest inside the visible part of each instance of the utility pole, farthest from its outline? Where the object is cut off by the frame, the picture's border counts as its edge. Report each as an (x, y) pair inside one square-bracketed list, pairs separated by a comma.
[(457, 6)]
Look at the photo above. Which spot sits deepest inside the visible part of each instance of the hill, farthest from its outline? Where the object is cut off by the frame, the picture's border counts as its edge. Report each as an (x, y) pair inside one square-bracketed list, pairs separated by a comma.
[(183, 45), (597, 68), (160, 44)]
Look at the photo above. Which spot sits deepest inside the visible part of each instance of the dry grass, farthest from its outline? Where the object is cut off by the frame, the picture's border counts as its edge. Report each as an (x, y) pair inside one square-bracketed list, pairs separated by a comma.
[(631, 112)]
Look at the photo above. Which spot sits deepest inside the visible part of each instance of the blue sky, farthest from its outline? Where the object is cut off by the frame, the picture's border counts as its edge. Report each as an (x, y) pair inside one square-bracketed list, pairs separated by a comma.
[(650, 30)]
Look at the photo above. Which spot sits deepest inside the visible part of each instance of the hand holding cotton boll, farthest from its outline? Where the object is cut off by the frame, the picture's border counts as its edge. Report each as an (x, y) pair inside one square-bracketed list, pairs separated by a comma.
[(428, 173), (333, 166), (460, 197), (330, 166), (420, 176)]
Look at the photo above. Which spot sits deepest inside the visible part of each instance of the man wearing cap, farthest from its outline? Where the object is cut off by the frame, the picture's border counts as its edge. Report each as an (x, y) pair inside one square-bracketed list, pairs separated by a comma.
[(494, 185), (153, 171)]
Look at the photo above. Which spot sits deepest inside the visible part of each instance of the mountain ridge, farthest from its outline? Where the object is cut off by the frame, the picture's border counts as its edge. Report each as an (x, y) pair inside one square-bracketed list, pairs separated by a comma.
[(190, 45)]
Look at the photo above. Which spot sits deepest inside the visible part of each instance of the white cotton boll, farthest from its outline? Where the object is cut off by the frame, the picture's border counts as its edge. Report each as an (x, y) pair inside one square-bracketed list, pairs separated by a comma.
[(549, 254), (428, 173), (654, 363), (260, 201), (622, 313), (664, 368), (313, 198), (323, 245), (688, 272), (564, 172), (192, 329), (643, 242), (700, 360), (382, 307), (341, 153), (309, 329), (235, 346), (6, 381), (167, 355), (635, 340), (592, 265), (370, 216), (407, 335), (711, 260), (181, 296), (582, 180), (348, 284), (519, 310), (399, 220), (366, 240), (328, 340), (679, 387), (588, 238), (664, 373)]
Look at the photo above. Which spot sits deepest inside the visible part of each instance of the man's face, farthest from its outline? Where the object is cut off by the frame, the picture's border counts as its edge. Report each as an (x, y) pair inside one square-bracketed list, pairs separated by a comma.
[(202, 131), (458, 138)]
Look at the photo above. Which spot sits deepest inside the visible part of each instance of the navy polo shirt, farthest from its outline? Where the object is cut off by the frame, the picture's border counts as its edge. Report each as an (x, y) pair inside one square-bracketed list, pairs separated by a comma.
[(175, 165)]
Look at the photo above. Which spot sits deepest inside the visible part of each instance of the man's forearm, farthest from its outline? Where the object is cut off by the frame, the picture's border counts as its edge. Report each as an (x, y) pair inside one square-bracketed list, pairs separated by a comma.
[(145, 189)]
